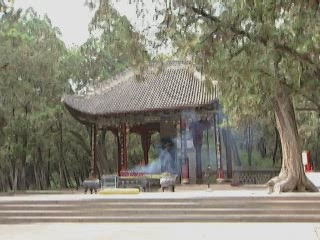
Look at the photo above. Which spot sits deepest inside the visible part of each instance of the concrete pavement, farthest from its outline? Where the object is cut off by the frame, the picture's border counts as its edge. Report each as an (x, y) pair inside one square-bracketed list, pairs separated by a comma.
[(191, 194), (161, 231)]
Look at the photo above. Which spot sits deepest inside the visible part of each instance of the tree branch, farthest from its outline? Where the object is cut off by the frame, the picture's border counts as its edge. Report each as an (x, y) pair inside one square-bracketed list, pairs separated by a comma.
[(238, 52), (313, 101), (4, 66), (308, 109), (304, 58), (218, 21)]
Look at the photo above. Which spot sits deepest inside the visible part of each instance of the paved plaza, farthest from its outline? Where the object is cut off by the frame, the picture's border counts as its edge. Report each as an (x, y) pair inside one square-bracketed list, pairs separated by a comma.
[(164, 230), (161, 231)]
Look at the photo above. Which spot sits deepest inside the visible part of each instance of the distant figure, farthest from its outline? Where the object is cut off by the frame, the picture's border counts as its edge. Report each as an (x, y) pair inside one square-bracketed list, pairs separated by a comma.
[(167, 164), (207, 174)]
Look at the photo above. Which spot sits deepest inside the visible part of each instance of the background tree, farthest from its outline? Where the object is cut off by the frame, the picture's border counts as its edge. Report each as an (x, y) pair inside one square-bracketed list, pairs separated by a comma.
[(35, 153), (113, 47)]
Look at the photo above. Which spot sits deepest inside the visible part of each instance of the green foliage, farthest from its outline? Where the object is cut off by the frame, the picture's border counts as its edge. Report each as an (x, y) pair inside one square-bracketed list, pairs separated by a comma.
[(256, 50), (32, 81), (39, 139), (238, 43)]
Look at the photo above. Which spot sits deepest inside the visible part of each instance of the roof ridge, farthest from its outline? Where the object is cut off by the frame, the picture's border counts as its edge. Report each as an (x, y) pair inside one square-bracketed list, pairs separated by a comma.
[(130, 72), (112, 82), (174, 65)]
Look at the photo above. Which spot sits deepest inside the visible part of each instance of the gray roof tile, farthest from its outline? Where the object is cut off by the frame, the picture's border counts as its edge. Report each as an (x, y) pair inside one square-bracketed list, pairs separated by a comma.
[(174, 86)]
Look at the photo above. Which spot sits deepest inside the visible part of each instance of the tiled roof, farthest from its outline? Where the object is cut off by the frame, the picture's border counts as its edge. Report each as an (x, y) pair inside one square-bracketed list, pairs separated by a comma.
[(171, 86)]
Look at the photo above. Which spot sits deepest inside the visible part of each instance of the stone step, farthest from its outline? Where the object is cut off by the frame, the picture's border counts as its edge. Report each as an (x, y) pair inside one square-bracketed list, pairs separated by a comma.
[(305, 203), (159, 198), (165, 218), (163, 200), (221, 209), (182, 206), (155, 212), (163, 206)]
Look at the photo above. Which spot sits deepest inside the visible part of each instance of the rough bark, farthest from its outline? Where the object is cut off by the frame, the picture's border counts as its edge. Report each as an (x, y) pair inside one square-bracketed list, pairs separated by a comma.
[(275, 148), (292, 176)]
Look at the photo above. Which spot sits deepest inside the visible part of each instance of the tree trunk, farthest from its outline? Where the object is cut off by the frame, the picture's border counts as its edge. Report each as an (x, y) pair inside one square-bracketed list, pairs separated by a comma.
[(23, 162), (63, 184), (36, 176), (67, 177), (317, 147), (292, 176), (48, 170), (234, 149), (15, 180), (76, 179), (226, 141), (249, 143), (262, 148), (62, 174), (275, 148)]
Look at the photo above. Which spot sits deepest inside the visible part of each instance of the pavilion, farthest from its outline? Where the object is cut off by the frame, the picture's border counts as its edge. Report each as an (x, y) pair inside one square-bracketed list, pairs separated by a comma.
[(169, 98)]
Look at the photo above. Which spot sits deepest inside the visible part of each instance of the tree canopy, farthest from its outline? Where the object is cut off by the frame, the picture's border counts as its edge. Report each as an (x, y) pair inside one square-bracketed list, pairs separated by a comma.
[(264, 55), (41, 145)]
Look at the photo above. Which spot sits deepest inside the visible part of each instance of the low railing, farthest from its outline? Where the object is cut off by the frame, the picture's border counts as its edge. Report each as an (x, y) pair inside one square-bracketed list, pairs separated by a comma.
[(253, 176), (241, 175)]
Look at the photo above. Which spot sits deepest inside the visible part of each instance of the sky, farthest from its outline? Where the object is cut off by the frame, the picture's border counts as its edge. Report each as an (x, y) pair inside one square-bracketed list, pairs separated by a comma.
[(72, 16)]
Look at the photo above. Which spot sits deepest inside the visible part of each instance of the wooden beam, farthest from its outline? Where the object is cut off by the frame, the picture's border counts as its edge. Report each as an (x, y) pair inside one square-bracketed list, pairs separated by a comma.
[(151, 127)]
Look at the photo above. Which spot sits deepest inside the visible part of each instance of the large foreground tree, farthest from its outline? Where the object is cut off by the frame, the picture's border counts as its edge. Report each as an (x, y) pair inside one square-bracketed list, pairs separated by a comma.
[(263, 53)]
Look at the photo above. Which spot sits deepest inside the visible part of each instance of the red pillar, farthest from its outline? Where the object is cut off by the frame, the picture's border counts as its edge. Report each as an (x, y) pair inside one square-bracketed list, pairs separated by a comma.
[(122, 148), (125, 146), (119, 153), (93, 160)]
